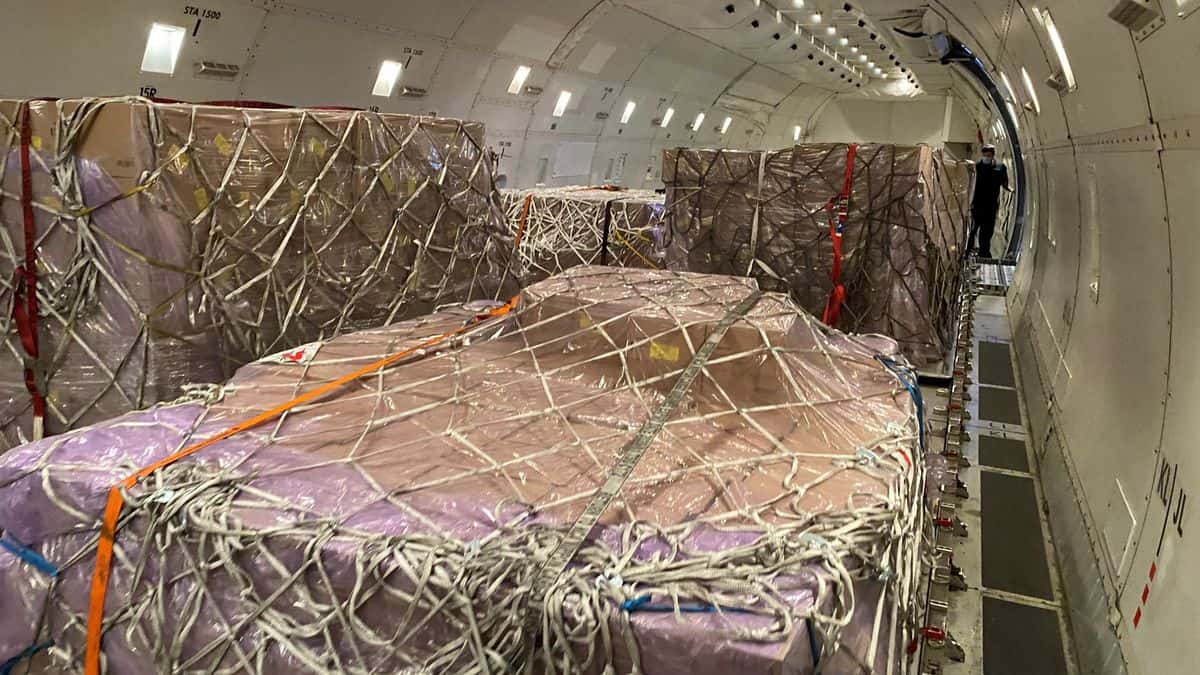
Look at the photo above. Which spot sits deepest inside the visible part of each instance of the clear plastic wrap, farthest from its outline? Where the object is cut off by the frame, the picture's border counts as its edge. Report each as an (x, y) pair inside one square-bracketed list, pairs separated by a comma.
[(768, 215), (397, 522), (177, 242), (564, 227)]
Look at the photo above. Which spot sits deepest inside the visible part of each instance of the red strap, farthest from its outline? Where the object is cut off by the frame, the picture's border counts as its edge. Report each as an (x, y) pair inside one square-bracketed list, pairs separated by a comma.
[(25, 308), (932, 633), (837, 224)]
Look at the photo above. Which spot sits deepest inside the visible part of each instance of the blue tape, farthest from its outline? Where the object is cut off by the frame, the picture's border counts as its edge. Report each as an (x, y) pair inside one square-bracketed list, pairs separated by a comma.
[(6, 668), (30, 557), (908, 378), (642, 604)]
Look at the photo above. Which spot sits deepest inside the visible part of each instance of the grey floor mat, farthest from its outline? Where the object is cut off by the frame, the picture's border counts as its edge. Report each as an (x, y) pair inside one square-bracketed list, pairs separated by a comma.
[(1014, 552), (1021, 640), (999, 405), (1003, 453), (995, 364)]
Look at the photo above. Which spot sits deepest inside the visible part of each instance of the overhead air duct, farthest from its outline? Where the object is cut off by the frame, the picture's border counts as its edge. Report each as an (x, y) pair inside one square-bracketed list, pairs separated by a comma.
[(1135, 14)]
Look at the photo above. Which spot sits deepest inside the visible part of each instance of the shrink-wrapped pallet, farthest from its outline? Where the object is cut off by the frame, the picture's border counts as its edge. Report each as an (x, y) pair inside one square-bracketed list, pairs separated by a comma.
[(772, 215), (396, 504), (172, 243)]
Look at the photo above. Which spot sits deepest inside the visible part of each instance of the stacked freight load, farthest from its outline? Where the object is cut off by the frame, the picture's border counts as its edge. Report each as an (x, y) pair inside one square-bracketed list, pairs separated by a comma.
[(772, 215), (560, 228), (414, 498), (146, 246)]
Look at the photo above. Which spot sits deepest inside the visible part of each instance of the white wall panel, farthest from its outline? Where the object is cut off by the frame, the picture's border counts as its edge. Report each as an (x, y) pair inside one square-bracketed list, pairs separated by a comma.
[(1131, 317), (1110, 94), (1168, 59), (1172, 544), (46, 54), (338, 65), (854, 119), (413, 15), (524, 28)]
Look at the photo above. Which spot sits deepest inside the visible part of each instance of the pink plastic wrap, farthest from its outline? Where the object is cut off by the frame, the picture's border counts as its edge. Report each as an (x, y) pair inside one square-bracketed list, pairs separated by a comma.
[(398, 522)]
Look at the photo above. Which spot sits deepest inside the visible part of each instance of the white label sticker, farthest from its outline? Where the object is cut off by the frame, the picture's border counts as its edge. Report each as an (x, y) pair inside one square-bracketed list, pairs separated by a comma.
[(297, 355)]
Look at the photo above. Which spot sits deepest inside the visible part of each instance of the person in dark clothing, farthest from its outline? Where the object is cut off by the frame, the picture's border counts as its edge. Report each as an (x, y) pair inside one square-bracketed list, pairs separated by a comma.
[(990, 177)]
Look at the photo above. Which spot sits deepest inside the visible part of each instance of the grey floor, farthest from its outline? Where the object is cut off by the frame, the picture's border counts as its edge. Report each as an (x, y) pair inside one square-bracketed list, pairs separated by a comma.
[(1010, 619)]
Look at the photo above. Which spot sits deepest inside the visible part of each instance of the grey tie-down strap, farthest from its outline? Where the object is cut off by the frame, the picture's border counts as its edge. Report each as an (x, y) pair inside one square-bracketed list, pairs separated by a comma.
[(628, 458)]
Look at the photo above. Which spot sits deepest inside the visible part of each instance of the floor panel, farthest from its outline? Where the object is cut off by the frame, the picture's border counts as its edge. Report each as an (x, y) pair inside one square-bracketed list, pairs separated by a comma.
[(1003, 453), (1021, 640), (995, 365), (999, 405), (1014, 553)]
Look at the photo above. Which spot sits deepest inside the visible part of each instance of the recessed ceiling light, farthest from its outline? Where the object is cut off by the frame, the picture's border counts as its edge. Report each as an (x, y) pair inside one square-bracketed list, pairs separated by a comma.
[(1033, 97), (1059, 49), (560, 107), (518, 79), (162, 48), (629, 108), (389, 74), (667, 117)]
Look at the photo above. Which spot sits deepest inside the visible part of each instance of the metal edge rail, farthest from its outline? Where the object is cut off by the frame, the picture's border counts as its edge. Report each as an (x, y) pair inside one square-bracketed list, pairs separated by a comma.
[(934, 643)]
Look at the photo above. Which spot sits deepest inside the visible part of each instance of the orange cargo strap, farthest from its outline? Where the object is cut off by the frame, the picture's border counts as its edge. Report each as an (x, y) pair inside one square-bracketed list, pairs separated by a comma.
[(837, 226), (524, 218), (112, 509), (25, 302)]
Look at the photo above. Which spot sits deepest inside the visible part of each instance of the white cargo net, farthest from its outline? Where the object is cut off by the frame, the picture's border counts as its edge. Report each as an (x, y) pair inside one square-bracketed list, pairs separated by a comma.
[(776, 522), (560, 228)]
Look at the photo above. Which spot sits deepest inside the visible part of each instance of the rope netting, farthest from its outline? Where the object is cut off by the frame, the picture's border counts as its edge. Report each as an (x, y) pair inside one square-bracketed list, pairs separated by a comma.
[(174, 243), (768, 215), (398, 518), (564, 227)]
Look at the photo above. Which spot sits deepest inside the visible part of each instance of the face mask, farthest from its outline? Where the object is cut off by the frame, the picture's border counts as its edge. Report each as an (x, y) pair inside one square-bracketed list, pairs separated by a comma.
[(988, 161)]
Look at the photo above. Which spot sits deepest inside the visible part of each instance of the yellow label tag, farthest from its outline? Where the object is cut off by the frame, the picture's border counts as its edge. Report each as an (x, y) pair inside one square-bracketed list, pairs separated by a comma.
[(317, 147), (294, 198), (180, 163), (36, 142), (244, 203), (201, 196), (585, 321), (388, 185), (663, 352), (223, 145), (412, 184)]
